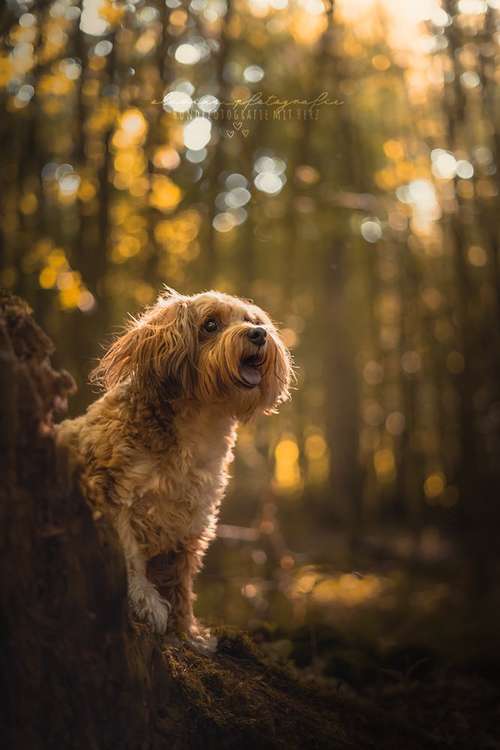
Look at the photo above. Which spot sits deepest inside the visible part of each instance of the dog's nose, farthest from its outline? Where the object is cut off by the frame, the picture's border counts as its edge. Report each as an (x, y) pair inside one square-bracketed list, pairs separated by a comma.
[(257, 335)]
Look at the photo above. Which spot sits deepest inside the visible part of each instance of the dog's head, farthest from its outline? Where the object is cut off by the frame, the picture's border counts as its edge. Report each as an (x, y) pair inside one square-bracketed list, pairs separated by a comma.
[(210, 347)]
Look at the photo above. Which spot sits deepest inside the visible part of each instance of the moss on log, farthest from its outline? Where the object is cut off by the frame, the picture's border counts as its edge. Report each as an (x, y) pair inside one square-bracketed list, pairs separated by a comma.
[(76, 673)]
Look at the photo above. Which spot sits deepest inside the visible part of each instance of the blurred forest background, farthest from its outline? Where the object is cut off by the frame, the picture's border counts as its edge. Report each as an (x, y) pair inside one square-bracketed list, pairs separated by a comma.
[(337, 162)]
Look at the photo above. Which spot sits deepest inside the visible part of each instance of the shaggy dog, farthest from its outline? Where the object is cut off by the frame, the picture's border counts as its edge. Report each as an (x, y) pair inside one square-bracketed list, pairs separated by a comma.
[(154, 451)]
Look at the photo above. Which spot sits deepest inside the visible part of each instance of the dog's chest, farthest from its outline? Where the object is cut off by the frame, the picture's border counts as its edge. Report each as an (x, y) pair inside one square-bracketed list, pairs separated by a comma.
[(177, 493)]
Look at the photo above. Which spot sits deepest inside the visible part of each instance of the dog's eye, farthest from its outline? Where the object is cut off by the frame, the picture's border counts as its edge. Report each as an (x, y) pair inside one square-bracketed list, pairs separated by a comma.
[(210, 325)]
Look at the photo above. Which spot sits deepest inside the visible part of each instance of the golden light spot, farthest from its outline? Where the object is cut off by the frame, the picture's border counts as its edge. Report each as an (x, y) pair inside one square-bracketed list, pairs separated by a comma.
[(405, 171), (384, 463), (166, 157), (28, 204), (306, 27), (477, 256), (134, 223), (287, 450), (165, 195), (47, 278), (139, 186), (126, 247), (395, 423), (131, 162), (178, 17), (67, 280), (86, 191), (289, 337), (373, 372), (394, 149), (86, 301), (318, 459), (388, 307), (351, 47), (432, 297), (258, 9), (305, 582), (411, 362), (120, 181), (315, 447), (267, 527), (97, 64), (146, 42), (381, 62), (69, 298), (119, 211), (240, 93), (249, 590), (5, 70), (55, 85), (318, 471), (133, 125), (56, 258), (178, 235), (307, 174), (347, 589), (386, 178), (286, 470), (112, 12), (434, 485), (287, 562), (144, 293)]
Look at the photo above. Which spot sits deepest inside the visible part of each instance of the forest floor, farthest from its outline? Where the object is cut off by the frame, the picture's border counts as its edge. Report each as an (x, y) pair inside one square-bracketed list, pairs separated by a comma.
[(247, 695), (457, 704), (422, 651)]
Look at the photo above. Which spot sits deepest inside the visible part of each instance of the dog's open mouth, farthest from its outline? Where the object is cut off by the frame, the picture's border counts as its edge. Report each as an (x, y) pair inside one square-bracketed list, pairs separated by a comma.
[(250, 373)]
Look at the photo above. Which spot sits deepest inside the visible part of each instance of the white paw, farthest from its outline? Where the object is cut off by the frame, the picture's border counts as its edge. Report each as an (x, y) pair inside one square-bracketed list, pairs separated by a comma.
[(157, 616), (203, 643), (148, 605)]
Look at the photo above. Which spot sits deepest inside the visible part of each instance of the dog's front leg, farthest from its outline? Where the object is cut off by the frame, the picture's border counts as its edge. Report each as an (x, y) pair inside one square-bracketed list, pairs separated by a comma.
[(175, 573), (144, 598)]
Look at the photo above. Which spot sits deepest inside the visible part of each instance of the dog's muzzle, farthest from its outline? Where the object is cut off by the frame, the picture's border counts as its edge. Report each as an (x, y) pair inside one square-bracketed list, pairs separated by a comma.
[(250, 364)]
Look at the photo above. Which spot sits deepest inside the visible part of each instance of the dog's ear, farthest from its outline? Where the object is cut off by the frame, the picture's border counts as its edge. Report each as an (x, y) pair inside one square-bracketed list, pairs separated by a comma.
[(178, 351), (157, 352)]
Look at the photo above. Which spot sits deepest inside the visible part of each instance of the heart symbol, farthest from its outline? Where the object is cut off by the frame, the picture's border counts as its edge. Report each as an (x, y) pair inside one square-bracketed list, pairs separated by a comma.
[(237, 124), (229, 133), (245, 133)]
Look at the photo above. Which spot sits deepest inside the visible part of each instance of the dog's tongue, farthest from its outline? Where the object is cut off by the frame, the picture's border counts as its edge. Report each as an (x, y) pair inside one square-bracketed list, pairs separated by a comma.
[(250, 375)]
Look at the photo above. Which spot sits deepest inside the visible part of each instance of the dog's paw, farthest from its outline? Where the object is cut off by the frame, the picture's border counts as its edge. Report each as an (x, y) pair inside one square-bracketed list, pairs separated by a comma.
[(202, 640), (149, 606), (157, 617), (207, 646)]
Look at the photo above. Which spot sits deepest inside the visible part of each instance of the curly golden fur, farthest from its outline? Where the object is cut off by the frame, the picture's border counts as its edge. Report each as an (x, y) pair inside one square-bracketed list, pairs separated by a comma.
[(154, 451)]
